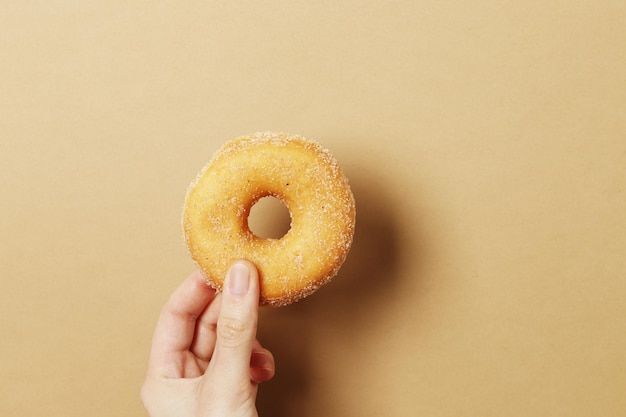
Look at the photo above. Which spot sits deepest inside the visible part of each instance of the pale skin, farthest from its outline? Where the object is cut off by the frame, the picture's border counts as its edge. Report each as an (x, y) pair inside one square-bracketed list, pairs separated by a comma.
[(205, 359)]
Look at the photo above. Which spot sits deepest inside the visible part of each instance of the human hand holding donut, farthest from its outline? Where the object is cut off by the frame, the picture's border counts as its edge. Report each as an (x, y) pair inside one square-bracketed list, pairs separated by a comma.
[(205, 358)]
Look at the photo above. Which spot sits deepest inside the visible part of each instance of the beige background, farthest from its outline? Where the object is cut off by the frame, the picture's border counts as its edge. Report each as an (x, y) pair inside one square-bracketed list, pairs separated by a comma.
[(486, 144)]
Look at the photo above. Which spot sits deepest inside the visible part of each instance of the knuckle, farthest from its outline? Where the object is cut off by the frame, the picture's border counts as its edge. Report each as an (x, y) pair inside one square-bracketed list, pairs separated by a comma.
[(232, 331)]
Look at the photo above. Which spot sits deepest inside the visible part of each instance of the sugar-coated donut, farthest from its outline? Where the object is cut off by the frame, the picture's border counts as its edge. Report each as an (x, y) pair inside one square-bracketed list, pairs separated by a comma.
[(307, 179)]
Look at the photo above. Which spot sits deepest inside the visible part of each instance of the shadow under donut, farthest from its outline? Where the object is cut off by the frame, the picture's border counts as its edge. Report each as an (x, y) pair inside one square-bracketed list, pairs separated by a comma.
[(367, 275)]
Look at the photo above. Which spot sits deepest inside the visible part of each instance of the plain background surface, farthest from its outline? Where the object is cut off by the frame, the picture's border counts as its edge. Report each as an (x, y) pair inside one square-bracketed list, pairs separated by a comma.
[(485, 142)]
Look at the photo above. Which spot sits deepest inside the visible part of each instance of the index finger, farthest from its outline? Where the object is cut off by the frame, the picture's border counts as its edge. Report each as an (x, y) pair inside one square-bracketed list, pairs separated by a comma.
[(175, 328)]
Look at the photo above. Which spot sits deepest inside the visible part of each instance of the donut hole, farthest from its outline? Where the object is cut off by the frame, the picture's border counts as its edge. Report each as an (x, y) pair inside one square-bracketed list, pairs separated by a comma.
[(269, 218)]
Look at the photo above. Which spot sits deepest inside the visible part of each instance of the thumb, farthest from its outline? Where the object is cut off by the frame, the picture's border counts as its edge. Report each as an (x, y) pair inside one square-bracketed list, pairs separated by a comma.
[(237, 324)]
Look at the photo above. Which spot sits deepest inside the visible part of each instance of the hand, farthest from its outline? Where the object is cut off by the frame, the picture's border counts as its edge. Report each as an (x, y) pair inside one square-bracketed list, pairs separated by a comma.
[(205, 359)]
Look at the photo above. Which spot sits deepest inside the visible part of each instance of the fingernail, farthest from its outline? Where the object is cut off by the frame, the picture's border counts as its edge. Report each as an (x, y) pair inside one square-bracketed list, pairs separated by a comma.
[(239, 278)]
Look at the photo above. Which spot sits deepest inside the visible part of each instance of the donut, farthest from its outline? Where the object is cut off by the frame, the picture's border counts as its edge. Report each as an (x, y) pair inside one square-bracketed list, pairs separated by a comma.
[(310, 183)]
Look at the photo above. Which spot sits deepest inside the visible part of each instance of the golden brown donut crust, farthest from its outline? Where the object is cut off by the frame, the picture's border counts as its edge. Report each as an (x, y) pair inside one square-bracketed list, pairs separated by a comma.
[(307, 179)]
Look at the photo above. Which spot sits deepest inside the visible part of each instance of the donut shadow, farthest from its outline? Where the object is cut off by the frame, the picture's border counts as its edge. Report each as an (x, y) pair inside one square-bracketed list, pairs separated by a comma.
[(287, 338), (370, 269), (368, 274)]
